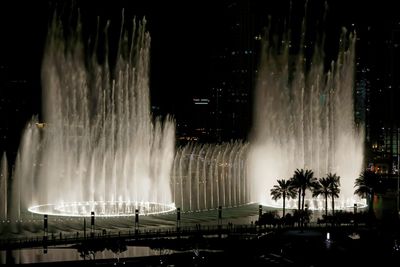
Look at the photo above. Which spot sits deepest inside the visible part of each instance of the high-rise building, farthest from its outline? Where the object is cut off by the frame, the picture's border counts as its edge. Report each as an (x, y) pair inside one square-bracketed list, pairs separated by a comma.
[(378, 74), (222, 110)]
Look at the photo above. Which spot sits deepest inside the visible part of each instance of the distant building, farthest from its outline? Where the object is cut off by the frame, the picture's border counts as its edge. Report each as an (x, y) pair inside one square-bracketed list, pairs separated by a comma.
[(362, 99), (223, 110), (378, 76)]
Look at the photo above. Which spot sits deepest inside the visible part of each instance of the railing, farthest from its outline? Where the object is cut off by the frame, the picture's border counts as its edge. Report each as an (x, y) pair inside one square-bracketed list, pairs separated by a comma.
[(149, 234), (142, 234)]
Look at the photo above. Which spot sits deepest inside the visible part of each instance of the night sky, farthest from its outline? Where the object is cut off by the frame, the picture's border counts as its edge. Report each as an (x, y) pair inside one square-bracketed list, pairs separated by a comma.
[(182, 36), (185, 34)]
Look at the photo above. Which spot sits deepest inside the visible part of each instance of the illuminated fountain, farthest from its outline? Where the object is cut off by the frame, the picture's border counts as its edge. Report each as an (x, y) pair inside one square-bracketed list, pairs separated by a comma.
[(100, 148), (208, 176), (304, 118)]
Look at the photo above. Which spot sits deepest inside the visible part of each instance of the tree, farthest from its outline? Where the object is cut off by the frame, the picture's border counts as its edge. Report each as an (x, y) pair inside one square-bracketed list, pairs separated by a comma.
[(328, 187), (283, 189), (368, 183), (322, 188), (303, 180), (268, 218), (297, 182), (334, 190)]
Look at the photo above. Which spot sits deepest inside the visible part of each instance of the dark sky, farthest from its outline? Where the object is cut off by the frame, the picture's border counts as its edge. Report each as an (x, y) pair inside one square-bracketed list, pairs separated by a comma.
[(182, 36), (184, 33)]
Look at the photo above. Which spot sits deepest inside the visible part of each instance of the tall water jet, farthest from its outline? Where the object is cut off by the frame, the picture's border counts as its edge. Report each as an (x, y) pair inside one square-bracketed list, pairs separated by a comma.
[(304, 117), (100, 148), (208, 176), (26, 167), (3, 187)]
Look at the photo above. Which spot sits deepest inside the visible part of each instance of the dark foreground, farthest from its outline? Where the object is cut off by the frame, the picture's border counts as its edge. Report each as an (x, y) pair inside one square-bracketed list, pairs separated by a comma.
[(278, 247)]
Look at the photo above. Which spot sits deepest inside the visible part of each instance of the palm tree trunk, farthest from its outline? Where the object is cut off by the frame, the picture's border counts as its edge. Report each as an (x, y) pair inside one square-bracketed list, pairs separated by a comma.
[(283, 212), (302, 209), (299, 199), (326, 206), (371, 202), (333, 205)]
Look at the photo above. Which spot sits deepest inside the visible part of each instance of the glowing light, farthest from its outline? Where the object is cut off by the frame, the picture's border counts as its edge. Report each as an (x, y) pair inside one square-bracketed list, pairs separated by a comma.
[(102, 209), (304, 119), (97, 151), (40, 125)]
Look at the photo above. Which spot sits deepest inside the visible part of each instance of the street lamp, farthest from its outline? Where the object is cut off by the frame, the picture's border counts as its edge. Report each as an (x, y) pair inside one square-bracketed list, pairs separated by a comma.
[(45, 234), (92, 224), (178, 219), (136, 221)]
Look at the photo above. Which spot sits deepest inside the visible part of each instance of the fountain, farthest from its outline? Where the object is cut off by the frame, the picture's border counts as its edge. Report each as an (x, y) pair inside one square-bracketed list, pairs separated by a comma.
[(100, 148), (304, 118), (211, 175)]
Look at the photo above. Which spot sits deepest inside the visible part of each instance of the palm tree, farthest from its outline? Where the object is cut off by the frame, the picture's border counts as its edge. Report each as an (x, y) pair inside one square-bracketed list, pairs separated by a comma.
[(334, 190), (368, 184), (303, 180), (297, 181), (322, 188), (283, 189)]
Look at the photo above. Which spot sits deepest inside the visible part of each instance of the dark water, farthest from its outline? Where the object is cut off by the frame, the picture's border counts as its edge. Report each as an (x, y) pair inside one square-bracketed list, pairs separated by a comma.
[(59, 254)]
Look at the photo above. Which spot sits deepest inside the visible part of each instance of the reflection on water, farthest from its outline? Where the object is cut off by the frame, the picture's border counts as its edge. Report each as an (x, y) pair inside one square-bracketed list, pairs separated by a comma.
[(54, 254)]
